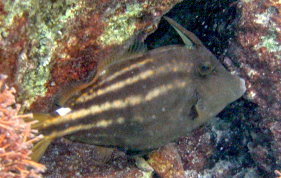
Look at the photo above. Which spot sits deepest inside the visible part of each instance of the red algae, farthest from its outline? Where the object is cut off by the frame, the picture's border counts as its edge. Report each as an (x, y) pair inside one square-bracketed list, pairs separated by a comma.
[(259, 40), (46, 46), (258, 51), (82, 40), (75, 159), (195, 150)]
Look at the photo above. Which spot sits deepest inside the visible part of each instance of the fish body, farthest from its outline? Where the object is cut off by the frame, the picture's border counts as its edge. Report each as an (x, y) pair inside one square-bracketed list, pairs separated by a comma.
[(147, 100)]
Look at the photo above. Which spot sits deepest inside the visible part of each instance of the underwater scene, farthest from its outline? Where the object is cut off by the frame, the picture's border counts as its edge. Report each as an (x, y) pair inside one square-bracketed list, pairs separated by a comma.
[(140, 88)]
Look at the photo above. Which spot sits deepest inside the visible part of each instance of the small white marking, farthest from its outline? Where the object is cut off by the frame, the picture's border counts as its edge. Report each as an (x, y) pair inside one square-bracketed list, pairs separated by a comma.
[(116, 104), (120, 120), (63, 111), (104, 123)]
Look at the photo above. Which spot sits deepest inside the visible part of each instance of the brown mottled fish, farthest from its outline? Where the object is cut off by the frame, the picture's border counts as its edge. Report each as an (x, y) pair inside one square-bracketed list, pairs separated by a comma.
[(144, 100)]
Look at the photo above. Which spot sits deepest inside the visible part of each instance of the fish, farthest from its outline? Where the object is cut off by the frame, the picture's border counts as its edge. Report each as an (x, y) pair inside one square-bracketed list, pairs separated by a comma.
[(143, 99)]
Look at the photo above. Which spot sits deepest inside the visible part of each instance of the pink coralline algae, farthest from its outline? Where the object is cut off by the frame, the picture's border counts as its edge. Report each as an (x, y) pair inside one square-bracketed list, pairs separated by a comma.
[(16, 138)]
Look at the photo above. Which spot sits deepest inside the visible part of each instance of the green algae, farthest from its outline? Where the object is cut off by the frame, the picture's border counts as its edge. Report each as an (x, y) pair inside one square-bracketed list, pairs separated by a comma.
[(270, 43), (121, 27), (146, 174), (46, 21)]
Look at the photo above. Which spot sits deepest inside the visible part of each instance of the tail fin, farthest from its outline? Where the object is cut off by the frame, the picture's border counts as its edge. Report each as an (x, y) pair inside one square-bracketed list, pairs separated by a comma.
[(41, 146), (42, 119)]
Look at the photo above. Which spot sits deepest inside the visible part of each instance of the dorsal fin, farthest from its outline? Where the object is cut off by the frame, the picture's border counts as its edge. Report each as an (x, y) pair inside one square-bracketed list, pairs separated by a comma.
[(72, 89), (187, 37), (136, 49)]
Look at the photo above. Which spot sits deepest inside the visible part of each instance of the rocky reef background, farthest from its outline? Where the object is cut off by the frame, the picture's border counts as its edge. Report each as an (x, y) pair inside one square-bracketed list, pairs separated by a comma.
[(45, 45)]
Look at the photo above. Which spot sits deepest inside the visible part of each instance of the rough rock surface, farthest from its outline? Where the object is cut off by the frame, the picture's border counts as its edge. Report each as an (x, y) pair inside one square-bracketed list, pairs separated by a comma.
[(45, 45), (245, 36), (258, 50), (166, 162), (58, 42)]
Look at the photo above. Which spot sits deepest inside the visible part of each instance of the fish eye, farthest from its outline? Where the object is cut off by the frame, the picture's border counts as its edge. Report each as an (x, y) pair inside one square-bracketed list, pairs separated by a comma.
[(205, 68)]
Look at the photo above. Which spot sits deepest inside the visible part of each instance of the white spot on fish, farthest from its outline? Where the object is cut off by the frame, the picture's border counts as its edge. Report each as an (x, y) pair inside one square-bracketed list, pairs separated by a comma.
[(63, 111)]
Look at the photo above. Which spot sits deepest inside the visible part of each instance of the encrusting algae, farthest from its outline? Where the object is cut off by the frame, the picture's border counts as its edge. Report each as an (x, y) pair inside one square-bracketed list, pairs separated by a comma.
[(142, 100)]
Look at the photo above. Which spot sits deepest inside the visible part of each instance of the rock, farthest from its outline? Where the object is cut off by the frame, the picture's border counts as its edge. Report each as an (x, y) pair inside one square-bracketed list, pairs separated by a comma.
[(46, 45), (258, 50), (167, 162)]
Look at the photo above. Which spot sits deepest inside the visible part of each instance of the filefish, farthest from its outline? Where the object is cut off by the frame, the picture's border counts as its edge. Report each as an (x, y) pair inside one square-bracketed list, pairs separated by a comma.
[(142, 100)]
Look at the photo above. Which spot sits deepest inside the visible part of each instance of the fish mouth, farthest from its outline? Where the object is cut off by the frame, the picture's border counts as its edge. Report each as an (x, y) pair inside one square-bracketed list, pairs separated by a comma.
[(242, 86), (238, 91), (204, 110)]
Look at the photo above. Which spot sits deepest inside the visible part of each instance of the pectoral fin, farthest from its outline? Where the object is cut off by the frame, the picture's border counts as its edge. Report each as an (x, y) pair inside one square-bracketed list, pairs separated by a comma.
[(40, 147)]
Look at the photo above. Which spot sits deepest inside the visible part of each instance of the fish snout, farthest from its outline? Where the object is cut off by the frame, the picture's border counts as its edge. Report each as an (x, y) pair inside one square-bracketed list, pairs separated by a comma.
[(238, 89), (242, 86)]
